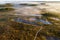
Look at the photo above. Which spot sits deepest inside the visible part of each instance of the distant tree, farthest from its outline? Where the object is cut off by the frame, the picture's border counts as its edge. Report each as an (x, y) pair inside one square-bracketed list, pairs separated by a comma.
[(8, 5), (6, 9), (49, 15), (2, 5), (29, 4)]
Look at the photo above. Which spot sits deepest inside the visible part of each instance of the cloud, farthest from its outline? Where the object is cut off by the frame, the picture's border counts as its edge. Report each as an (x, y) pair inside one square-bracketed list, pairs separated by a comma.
[(6, 1)]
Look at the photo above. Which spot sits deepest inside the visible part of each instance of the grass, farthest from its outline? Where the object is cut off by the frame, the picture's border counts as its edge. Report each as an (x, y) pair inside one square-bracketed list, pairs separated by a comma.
[(11, 30), (20, 31)]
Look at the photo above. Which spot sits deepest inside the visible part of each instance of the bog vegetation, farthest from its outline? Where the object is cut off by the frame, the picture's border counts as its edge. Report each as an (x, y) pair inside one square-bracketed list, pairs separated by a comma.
[(11, 30)]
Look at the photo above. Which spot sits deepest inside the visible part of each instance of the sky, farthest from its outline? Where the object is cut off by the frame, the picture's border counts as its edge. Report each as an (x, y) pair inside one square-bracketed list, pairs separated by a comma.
[(6, 1)]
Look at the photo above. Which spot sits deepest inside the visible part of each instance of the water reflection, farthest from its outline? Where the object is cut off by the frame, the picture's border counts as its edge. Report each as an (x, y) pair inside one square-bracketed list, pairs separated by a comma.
[(52, 38), (44, 21), (31, 21)]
